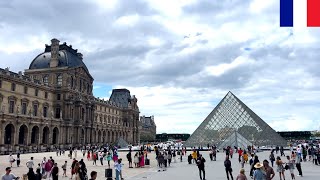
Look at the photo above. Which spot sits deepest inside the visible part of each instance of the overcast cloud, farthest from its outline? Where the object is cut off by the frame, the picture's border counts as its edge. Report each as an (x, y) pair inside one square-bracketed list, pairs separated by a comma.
[(179, 57)]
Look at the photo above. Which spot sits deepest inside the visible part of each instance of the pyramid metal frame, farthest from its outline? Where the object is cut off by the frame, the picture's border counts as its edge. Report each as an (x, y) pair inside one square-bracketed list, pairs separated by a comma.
[(232, 123)]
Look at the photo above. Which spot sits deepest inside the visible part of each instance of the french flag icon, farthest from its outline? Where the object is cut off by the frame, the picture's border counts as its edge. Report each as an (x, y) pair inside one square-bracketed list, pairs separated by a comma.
[(303, 13)]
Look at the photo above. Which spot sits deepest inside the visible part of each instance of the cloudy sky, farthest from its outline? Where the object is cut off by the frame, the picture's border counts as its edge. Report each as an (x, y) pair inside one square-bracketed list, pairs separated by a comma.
[(179, 57)]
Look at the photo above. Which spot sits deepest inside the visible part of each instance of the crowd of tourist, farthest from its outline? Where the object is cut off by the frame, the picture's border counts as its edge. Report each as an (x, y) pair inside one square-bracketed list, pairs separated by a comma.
[(276, 164)]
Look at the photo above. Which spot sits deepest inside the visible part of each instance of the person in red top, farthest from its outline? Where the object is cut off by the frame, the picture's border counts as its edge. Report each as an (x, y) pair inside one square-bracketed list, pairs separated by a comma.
[(240, 154)]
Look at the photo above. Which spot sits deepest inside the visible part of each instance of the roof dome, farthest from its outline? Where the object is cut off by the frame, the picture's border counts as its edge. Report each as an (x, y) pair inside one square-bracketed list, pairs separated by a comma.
[(67, 57)]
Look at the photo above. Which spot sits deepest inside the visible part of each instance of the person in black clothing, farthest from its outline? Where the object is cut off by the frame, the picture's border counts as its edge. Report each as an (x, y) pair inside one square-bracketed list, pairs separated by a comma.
[(93, 175), (282, 151), (200, 164), (31, 174), (83, 169), (55, 172), (227, 165), (129, 157), (190, 159), (38, 175), (255, 161)]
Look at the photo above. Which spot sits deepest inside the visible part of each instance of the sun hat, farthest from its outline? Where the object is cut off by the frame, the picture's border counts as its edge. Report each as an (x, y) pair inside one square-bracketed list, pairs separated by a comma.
[(258, 165)]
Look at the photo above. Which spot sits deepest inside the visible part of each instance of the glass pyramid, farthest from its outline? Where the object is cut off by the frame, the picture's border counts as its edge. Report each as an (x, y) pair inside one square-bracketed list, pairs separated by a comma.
[(232, 123)]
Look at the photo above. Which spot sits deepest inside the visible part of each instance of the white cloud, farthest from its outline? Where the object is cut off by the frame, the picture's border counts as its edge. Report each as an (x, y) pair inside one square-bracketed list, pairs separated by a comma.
[(179, 57)]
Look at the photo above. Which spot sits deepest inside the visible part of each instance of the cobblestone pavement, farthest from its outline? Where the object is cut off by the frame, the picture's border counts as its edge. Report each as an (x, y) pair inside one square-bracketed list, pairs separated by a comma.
[(178, 170)]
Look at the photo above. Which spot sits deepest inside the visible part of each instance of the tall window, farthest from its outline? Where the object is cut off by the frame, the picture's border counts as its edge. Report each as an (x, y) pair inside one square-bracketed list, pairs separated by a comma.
[(58, 110), (59, 80), (72, 81), (80, 85), (24, 108), (0, 83), (58, 97), (36, 92), (45, 111), (11, 106), (46, 80), (13, 87), (46, 95), (35, 110), (26, 90)]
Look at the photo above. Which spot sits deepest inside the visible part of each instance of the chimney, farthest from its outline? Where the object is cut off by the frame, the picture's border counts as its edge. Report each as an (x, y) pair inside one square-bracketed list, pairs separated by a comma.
[(54, 62)]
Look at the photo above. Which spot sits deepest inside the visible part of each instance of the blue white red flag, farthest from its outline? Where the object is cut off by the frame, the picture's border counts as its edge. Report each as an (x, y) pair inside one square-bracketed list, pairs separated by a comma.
[(300, 13)]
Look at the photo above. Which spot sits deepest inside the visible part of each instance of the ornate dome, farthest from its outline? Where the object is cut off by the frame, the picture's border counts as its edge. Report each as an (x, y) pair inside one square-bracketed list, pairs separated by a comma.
[(67, 57)]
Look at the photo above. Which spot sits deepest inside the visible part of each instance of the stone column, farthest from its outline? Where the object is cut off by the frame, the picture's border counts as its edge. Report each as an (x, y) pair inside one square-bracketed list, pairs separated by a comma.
[(29, 134), (40, 134), (2, 132)]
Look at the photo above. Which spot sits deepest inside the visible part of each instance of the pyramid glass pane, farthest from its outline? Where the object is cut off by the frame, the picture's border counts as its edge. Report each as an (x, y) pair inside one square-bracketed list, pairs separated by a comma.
[(232, 123)]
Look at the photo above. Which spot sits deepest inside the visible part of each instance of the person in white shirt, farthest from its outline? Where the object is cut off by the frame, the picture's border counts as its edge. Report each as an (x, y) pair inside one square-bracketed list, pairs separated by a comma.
[(101, 157), (11, 159), (30, 163)]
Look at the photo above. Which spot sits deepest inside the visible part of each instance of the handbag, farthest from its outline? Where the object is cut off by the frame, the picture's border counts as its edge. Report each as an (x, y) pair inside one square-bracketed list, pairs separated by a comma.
[(286, 167)]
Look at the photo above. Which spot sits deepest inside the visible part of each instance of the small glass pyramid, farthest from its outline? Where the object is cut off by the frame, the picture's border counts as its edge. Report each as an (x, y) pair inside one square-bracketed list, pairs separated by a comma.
[(232, 123)]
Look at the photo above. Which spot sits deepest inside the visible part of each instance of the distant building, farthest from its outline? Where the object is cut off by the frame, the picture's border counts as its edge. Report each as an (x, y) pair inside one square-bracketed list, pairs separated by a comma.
[(167, 137), (148, 129), (295, 135)]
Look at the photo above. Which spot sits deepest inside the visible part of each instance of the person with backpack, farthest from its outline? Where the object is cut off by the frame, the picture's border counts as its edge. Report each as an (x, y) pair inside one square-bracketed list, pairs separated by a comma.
[(200, 164), (228, 168), (272, 158)]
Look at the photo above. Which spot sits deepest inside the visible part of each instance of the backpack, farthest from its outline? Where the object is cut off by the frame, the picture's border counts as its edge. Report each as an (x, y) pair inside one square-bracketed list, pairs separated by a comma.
[(227, 163)]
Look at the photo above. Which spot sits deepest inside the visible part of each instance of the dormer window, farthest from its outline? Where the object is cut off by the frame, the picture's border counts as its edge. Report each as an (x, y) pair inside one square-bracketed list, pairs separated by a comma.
[(46, 80), (59, 80)]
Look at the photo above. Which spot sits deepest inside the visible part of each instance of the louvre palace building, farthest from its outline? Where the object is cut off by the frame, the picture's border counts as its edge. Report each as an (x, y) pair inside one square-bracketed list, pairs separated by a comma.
[(52, 105)]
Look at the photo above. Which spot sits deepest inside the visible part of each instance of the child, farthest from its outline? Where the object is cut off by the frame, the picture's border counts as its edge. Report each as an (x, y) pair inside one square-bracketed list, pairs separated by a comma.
[(64, 168), (136, 160)]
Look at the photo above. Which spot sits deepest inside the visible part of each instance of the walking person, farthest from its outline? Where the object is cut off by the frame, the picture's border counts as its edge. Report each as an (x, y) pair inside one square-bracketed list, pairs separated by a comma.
[(118, 168), (129, 157), (280, 168), (11, 160), (55, 172), (298, 164), (109, 157), (18, 159), (43, 163), (241, 176), (30, 163), (94, 158), (64, 168), (269, 170), (272, 158), (200, 164), (101, 158), (258, 173), (228, 168), (282, 151), (290, 166)]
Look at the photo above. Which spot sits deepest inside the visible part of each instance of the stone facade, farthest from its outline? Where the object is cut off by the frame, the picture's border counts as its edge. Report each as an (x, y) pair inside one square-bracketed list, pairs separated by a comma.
[(148, 129), (52, 105)]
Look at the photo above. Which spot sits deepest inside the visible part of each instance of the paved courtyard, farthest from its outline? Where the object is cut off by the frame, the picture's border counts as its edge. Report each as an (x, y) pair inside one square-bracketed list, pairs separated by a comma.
[(178, 170)]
